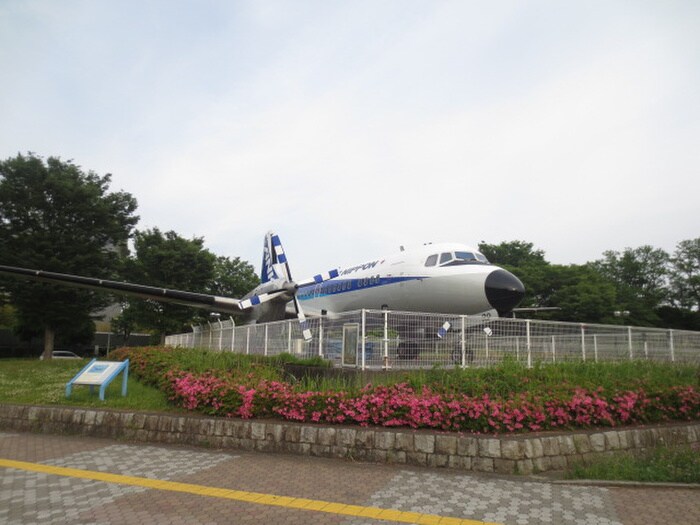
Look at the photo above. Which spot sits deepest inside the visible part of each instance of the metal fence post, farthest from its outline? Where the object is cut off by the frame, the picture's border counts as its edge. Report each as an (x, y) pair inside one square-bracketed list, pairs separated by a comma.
[(595, 348), (289, 337), (211, 334), (265, 345), (464, 346), (363, 338), (554, 352), (247, 341), (673, 350), (583, 341), (629, 341), (233, 334), (320, 336), (528, 343), (386, 341), (221, 334)]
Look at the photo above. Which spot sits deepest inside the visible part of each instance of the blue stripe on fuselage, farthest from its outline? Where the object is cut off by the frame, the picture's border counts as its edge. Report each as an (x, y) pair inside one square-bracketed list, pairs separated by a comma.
[(338, 286)]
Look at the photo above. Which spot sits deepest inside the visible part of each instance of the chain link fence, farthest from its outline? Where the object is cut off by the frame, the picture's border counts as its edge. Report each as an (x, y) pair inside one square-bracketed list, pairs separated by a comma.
[(381, 339)]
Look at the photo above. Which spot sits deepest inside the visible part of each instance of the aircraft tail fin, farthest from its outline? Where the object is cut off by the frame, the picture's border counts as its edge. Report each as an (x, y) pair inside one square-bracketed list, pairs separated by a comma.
[(268, 271), (274, 262)]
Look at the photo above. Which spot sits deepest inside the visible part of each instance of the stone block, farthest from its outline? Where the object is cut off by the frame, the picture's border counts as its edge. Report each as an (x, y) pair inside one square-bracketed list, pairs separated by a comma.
[(243, 429), (533, 448), (220, 427), (339, 452), (597, 442), (504, 466), (566, 445), (558, 462), (404, 441), (165, 424), (582, 443), (550, 446), (512, 449), (320, 451), (612, 440), (396, 456), (377, 456), (364, 439), (417, 458), (326, 436), (308, 434), (257, 431), (274, 433), (424, 443), (446, 445), (384, 440), (623, 437), (438, 460), (524, 466), (346, 437), (481, 464), (467, 446), (489, 448), (542, 464), (292, 434)]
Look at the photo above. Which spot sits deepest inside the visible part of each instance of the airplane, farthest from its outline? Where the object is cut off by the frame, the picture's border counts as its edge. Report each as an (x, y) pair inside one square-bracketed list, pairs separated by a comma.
[(448, 278)]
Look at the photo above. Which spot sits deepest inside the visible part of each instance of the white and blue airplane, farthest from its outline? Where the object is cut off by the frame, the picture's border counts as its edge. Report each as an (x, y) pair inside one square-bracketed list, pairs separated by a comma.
[(445, 278)]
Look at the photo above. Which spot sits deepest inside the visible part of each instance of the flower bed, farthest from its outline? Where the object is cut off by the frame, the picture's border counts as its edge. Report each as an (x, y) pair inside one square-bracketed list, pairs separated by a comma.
[(252, 392)]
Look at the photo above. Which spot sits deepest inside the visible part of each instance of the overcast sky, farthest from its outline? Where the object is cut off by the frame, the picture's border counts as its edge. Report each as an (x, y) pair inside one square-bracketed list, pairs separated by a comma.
[(351, 128)]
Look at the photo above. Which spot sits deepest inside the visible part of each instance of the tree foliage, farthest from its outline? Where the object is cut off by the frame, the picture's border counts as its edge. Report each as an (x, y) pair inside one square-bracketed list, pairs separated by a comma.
[(167, 260), (56, 217), (641, 286)]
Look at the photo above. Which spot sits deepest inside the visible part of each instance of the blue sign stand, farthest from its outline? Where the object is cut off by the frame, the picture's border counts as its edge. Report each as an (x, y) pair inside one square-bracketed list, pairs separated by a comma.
[(100, 373)]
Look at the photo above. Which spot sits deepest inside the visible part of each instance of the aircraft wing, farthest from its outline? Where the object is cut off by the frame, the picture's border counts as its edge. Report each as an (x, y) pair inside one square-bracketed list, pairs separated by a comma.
[(197, 300)]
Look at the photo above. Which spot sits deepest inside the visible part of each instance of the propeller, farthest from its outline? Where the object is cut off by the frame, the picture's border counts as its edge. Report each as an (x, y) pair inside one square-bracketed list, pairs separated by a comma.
[(289, 287)]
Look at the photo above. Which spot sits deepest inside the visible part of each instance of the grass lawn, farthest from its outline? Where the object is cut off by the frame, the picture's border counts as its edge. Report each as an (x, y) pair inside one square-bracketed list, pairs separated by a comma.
[(31, 381), (678, 465)]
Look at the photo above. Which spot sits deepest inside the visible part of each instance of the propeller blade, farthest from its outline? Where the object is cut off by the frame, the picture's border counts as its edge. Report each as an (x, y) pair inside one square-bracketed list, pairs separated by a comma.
[(318, 279), (302, 320), (259, 299)]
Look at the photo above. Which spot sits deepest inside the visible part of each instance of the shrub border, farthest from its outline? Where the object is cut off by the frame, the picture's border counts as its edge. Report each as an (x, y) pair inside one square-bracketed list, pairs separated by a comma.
[(504, 454)]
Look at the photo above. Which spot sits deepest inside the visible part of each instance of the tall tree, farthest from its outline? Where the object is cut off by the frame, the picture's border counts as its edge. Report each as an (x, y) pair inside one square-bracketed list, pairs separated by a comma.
[(685, 275), (56, 217), (640, 276), (512, 253), (232, 277), (169, 261)]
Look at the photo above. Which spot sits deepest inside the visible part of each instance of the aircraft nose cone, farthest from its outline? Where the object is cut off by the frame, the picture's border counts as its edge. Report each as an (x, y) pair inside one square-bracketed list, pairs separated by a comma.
[(504, 291)]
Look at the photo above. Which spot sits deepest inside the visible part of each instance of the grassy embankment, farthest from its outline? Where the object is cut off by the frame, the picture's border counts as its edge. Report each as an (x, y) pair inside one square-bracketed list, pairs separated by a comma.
[(30, 381), (43, 383)]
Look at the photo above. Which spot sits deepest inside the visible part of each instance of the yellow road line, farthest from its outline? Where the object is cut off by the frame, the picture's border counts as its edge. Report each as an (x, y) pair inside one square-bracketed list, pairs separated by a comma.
[(248, 497)]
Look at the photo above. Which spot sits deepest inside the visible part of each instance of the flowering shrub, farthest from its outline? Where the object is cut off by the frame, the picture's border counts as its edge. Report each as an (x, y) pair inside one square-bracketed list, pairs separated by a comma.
[(227, 393)]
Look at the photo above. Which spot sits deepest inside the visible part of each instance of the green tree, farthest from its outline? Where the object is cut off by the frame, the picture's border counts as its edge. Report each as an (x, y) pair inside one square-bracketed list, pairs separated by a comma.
[(56, 217), (583, 295), (640, 276), (513, 253), (232, 277), (169, 261), (685, 275)]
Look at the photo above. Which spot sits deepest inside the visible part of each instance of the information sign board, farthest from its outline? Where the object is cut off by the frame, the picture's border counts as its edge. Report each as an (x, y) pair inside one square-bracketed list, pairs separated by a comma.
[(100, 373)]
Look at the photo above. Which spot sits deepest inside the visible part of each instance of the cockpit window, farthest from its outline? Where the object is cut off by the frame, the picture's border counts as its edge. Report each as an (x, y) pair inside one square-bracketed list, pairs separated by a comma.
[(465, 256), (431, 260), (458, 258)]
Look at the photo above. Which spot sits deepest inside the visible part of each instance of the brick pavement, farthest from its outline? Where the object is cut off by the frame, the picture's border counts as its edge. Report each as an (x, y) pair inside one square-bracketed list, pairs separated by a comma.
[(34, 497)]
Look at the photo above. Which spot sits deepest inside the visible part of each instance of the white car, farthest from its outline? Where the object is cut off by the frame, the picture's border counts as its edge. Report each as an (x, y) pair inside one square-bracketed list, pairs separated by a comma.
[(62, 354)]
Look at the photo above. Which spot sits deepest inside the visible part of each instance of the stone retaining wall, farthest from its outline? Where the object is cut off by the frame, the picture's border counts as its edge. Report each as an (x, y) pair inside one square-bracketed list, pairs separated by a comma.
[(507, 454)]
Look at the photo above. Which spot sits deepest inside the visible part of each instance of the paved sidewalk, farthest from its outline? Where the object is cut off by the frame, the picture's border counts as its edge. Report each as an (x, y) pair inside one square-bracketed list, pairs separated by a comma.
[(57, 495)]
